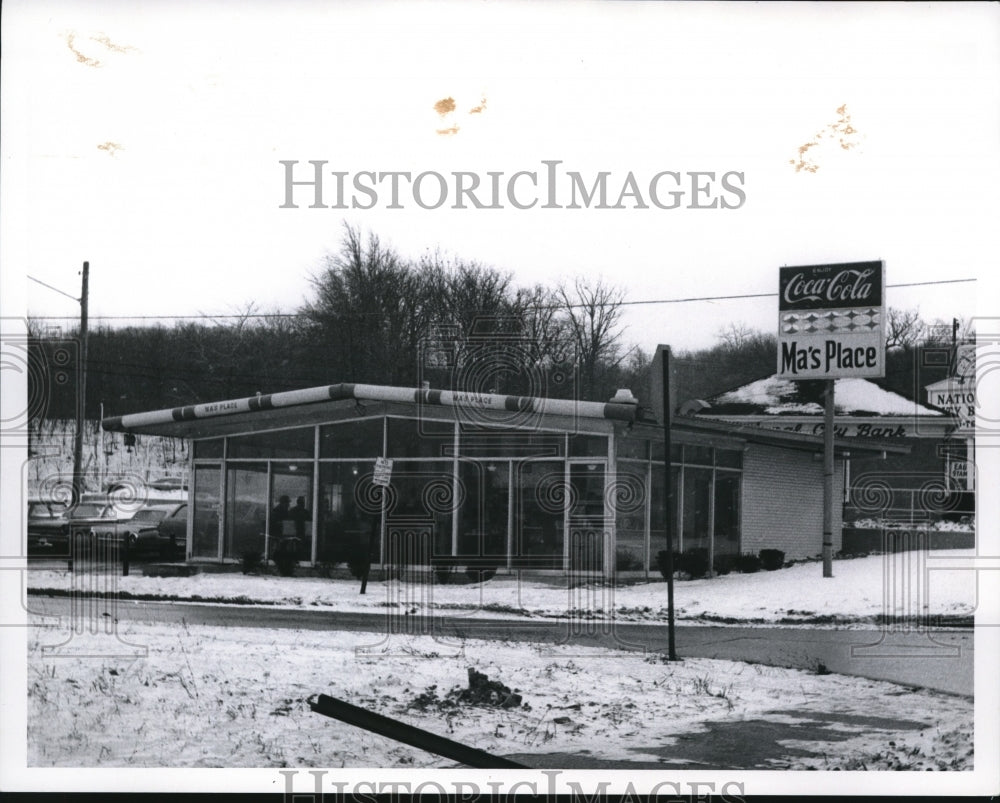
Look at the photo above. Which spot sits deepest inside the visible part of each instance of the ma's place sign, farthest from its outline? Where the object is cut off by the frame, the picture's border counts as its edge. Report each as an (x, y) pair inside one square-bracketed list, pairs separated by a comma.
[(831, 321)]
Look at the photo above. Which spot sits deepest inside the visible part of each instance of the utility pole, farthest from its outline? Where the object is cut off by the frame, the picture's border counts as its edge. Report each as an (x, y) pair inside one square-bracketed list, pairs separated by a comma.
[(81, 403), (828, 466)]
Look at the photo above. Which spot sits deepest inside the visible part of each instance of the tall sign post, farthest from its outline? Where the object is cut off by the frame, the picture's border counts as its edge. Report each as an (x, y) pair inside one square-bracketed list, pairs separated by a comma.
[(81, 404), (663, 395), (382, 478), (831, 325)]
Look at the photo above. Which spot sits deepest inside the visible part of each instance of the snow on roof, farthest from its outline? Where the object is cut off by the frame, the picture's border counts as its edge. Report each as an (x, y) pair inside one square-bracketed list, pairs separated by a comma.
[(777, 396)]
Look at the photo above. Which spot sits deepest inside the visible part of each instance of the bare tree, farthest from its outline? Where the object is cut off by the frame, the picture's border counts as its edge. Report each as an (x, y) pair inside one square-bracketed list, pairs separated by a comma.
[(593, 312), (368, 313), (736, 335), (543, 332), (903, 327)]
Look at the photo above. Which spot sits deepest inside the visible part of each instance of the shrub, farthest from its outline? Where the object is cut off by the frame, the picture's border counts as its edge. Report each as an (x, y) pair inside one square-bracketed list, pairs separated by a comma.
[(725, 563), (694, 562), (627, 561), (661, 562), (251, 561), (748, 563), (771, 559)]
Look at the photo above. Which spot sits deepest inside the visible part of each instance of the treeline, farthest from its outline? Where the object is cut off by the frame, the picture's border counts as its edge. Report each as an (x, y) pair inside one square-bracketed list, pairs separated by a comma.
[(374, 317), (377, 317)]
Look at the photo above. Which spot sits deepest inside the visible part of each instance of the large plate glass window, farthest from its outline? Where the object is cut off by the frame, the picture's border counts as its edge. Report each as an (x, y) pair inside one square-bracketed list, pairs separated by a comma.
[(246, 511), (207, 506)]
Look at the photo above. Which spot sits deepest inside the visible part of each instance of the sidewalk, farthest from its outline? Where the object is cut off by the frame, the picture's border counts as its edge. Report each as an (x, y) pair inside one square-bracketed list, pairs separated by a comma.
[(863, 591)]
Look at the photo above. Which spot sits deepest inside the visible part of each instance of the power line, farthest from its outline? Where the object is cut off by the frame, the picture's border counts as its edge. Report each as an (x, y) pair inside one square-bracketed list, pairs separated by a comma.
[(61, 292), (203, 316)]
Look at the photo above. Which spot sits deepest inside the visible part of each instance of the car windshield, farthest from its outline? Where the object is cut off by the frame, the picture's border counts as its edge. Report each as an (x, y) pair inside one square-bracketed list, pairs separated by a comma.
[(45, 510), (87, 511), (149, 515)]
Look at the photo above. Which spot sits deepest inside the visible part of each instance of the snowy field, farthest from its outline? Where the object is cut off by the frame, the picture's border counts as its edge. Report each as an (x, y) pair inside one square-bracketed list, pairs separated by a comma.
[(205, 696), (862, 590), (238, 697)]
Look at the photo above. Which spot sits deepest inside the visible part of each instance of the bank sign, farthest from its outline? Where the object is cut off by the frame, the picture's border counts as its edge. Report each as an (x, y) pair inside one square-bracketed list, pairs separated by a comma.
[(831, 321)]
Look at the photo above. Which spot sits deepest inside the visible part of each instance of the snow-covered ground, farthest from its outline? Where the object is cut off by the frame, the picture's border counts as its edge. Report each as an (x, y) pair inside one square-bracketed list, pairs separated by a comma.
[(238, 697), (862, 591), (205, 696)]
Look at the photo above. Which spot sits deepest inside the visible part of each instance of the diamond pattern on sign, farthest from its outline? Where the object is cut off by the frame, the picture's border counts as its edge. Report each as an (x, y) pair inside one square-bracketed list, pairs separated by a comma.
[(830, 321)]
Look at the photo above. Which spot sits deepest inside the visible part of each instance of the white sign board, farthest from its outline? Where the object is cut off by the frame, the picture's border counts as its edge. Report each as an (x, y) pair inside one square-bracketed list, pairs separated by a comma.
[(383, 472), (958, 398), (831, 321)]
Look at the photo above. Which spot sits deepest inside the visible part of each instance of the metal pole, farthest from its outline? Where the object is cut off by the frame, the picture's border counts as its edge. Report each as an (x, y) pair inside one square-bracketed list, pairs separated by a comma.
[(668, 505), (81, 402), (407, 734), (828, 479)]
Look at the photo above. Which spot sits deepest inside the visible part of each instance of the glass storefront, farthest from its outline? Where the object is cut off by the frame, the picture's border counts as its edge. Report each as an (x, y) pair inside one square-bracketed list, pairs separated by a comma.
[(507, 498)]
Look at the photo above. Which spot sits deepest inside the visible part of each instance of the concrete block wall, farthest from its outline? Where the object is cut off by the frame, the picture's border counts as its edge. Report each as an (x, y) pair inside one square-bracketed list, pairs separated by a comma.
[(783, 502)]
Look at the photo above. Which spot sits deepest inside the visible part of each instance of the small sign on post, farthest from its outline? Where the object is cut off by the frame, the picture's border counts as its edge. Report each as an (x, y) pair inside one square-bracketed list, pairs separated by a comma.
[(383, 472), (381, 477)]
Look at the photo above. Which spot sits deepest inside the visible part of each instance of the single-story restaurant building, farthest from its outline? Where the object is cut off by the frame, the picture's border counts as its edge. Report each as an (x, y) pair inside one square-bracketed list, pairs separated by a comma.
[(481, 479), (930, 481)]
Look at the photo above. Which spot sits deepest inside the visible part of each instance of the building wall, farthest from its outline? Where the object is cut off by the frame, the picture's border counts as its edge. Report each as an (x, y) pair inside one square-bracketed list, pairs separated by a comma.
[(783, 502)]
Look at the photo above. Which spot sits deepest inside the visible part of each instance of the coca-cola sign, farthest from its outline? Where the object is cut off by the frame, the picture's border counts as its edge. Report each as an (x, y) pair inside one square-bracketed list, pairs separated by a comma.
[(837, 286), (831, 321)]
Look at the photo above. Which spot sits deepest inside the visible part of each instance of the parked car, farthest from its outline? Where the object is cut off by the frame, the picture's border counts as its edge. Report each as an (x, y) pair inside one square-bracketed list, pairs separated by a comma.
[(172, 531), (45, 510), (46, 533), (51, 534), (158, 529)]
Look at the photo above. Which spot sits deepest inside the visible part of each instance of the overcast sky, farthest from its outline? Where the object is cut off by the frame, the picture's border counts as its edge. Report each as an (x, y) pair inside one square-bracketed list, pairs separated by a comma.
[(147, 139)]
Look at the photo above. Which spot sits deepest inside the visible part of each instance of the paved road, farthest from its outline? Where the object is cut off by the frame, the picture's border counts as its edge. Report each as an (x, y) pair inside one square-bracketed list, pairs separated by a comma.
[(938, 659)]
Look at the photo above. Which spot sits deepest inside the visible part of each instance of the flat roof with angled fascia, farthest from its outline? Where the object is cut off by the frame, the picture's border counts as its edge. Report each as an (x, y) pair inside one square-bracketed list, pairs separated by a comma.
[(336, 402), (331, 403), (843, 447)]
